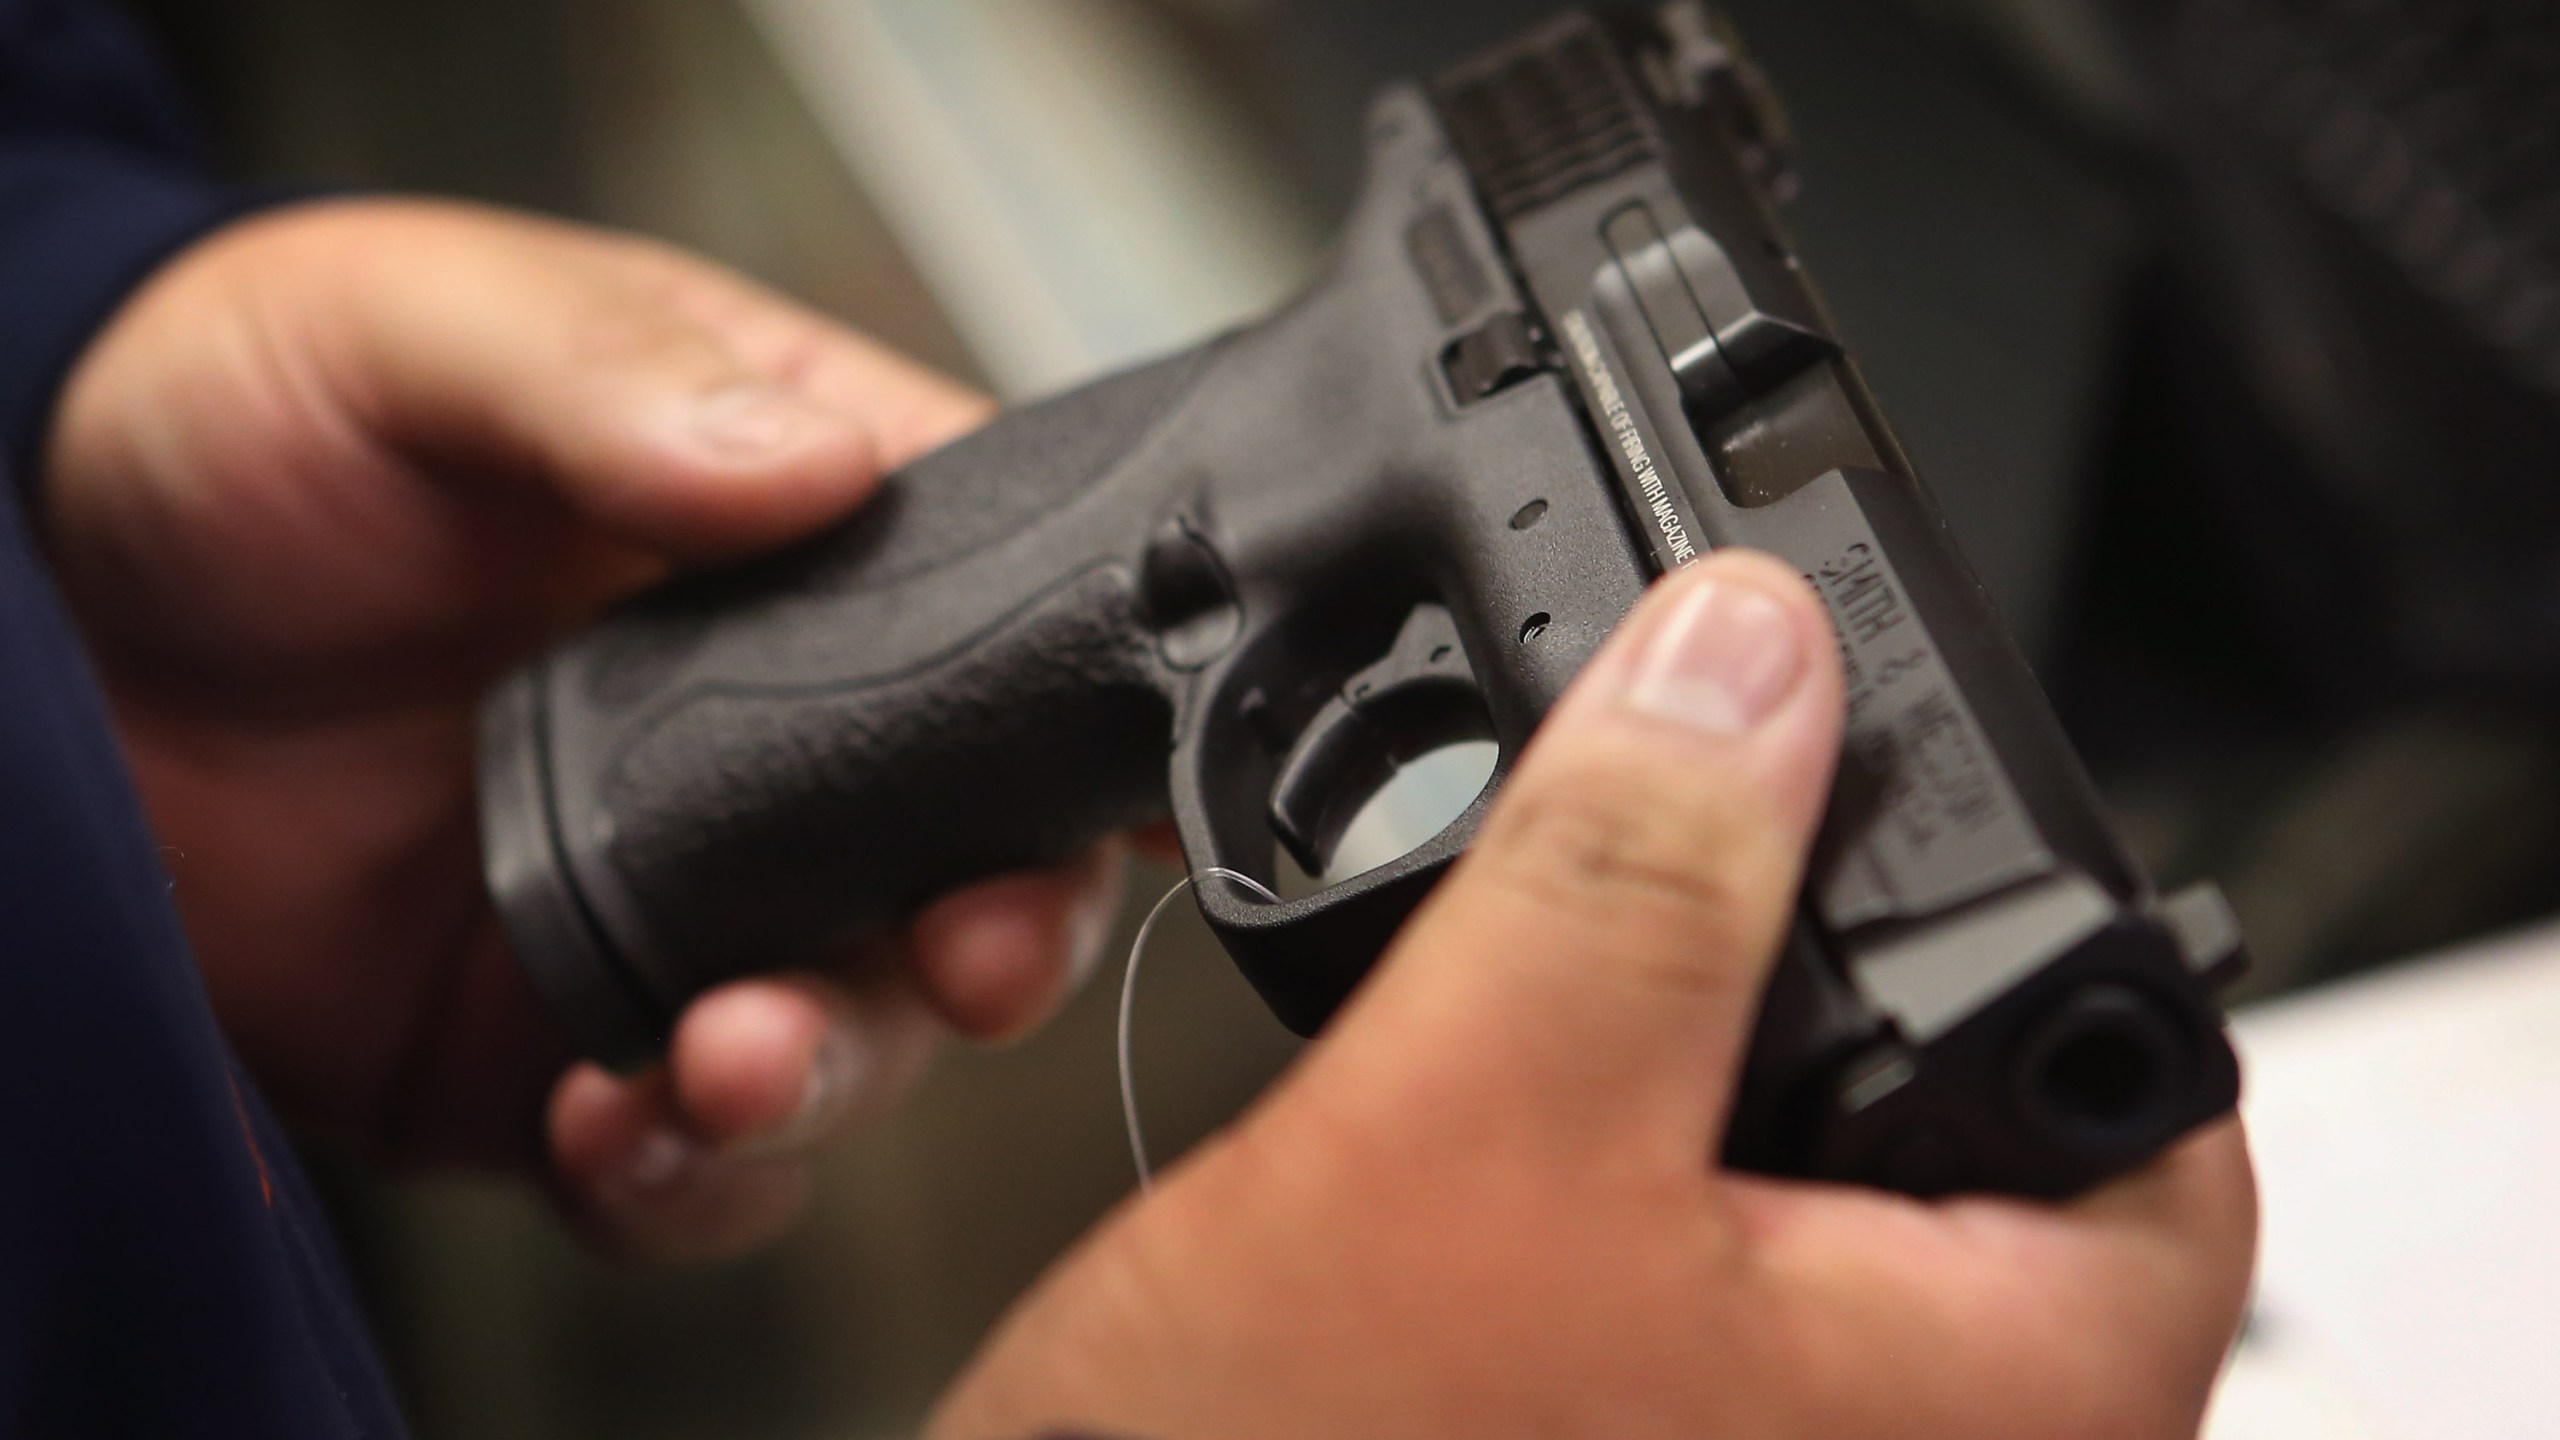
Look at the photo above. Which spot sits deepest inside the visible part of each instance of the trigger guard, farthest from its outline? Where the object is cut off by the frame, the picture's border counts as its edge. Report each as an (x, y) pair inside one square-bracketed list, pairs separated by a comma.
[(1304, 956), (1421, 697)]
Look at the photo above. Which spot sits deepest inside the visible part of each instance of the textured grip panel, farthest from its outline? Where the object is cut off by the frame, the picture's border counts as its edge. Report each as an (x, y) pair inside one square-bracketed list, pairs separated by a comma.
[(957, 502), (750, 769), (773, 828)]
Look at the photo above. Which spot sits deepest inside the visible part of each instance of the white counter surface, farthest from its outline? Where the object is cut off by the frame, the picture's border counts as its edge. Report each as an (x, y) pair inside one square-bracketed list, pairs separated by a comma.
[(2407, 1129)]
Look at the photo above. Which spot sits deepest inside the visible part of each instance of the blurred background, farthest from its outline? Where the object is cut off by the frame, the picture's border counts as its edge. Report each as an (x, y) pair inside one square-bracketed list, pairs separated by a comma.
[(2228, 332)]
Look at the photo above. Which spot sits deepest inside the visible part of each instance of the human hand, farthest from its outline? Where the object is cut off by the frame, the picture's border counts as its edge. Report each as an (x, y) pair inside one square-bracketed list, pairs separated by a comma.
[(326, 477), (1484, 1204)]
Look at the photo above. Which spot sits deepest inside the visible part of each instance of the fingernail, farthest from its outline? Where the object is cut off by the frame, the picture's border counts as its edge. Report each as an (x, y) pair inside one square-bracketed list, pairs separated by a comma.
[(837, 1069), (753, 421), (659, 1162), (1722, 663)]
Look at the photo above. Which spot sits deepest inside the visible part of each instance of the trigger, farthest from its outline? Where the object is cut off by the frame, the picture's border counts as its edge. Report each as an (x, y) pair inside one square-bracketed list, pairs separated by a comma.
[(1420, 698)]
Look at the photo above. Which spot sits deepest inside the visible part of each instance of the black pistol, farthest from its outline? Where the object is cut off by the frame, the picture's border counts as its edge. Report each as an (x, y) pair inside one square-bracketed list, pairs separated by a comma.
[(1563, 348)]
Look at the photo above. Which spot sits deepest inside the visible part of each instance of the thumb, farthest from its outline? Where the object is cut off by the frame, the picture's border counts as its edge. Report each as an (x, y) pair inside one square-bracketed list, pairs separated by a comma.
[(1596, 960), (667, 402)]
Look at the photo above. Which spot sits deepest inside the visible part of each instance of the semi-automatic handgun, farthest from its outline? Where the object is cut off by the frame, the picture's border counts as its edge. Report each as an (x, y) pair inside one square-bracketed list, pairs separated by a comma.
[(1563, 348)]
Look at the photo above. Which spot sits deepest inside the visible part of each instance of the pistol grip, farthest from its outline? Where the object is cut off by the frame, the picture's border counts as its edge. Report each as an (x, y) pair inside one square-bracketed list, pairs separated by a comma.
[(755, 769)]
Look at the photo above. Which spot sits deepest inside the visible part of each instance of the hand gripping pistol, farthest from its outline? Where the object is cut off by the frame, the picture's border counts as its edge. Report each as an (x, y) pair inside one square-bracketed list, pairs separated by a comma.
[(1562, 349)]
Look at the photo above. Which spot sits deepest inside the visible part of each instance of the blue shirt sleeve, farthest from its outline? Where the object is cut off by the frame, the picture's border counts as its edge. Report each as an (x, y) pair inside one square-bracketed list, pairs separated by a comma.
[(164, 1270), (100, 180)]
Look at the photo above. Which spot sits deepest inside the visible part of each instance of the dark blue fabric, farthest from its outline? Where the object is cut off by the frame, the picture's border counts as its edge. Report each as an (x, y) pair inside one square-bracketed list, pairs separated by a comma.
[(99, 181), (164, 1270), (73, 68)]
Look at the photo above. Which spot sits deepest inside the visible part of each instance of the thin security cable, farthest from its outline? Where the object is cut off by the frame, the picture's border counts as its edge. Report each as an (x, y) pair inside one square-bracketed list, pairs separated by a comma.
[(1129, 1009)]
